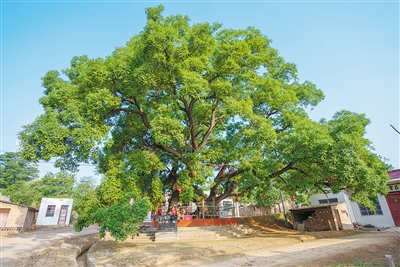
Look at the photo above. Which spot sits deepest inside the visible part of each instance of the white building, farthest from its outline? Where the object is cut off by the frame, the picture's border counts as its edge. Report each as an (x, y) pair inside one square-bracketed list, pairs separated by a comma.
[(380, 218), (54, 211)]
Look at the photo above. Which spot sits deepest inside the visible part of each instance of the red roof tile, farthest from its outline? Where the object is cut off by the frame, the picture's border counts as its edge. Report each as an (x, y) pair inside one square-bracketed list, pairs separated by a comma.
[(395, 174)]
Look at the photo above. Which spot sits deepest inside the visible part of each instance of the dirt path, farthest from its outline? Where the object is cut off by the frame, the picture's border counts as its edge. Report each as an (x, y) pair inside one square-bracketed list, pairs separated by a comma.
[(12, 246), (273, 246), (368, 248), (271, 249)]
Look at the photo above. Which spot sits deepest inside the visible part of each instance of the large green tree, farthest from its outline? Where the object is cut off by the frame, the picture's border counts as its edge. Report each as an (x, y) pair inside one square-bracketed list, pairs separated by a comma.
[(183, 108), (14, 169), (58, 185), (25, 193)]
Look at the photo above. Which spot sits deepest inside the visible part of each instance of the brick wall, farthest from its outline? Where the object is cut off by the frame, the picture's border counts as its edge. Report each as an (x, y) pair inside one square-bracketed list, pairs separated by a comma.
[(321, 220), (19, 218), (16, 216)]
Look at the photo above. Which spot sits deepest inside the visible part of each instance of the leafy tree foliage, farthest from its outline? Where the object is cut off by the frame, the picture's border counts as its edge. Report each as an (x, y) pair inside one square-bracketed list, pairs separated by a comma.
[(86, 201), (122, 219), (119, 218), (182, 108), (59, 185), (25, 193), (14, 169), (83, 191)]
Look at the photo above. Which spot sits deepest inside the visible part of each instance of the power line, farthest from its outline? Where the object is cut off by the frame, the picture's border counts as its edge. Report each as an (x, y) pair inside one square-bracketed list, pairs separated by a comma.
[(395, 129)]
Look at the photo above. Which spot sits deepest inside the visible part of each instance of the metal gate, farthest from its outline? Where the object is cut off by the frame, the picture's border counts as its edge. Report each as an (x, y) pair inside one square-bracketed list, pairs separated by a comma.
[(393, 201)]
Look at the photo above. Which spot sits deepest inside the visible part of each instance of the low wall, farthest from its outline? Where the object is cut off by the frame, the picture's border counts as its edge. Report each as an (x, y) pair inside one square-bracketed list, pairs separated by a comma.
[(207, 222), (203, 222)]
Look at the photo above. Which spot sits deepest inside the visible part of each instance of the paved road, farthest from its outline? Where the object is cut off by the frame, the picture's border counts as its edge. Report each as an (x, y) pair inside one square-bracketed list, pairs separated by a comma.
[(12, 246)]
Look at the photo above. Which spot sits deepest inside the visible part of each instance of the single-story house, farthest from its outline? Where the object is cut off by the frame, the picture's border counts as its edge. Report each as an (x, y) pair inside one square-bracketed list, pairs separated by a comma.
[(15, 217), (54, 211)]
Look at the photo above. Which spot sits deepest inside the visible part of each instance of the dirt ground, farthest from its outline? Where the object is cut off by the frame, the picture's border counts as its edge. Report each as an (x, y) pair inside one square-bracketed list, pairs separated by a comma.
[(273, 245)]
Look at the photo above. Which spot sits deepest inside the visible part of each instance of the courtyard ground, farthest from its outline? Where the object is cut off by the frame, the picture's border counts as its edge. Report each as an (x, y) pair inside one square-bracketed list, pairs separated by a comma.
[(274, 246)]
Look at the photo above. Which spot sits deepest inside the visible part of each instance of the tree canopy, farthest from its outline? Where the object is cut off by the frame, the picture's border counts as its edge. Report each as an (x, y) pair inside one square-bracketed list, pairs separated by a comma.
[(30, 193), (187, 108), (14, 169)]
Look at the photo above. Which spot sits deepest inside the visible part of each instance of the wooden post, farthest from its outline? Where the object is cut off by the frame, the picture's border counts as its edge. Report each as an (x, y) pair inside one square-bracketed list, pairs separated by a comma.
[(390, 260), (202, 209), (283, 206)]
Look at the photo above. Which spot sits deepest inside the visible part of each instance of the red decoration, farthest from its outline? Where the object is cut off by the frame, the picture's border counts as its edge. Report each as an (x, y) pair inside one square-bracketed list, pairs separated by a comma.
[(159, 211), (174, 211), (179, 190)]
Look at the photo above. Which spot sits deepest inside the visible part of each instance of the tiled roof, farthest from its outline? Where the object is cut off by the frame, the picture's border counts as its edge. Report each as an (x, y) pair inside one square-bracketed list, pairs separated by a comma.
[(13, 203), (395, 174), (313, 207)]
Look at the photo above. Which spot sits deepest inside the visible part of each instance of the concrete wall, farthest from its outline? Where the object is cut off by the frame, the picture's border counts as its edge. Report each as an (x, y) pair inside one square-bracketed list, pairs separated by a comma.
[(43, 220), (379, 220)]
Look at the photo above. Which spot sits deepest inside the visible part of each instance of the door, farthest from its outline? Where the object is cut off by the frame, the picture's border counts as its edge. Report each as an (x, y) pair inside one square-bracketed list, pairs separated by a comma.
[(393, 201), (3, 217), (63, 214)]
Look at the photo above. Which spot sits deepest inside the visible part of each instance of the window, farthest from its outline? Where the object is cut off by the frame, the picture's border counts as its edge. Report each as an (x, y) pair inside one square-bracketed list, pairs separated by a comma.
[(328, 200), (366, 211), (50, 210)]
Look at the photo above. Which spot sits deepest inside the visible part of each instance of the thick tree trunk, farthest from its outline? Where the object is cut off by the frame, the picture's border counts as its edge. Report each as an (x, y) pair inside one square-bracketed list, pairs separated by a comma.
[(173, 181), (174, 199)]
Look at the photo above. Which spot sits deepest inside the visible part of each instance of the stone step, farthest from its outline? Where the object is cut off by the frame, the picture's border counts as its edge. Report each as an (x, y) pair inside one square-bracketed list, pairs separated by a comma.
[(166, 237), (144, 238), (195, 233), (199, 235)]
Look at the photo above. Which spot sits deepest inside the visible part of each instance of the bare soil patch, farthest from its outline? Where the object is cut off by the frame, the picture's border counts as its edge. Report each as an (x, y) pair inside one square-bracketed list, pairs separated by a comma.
[(273, 245), (349, 248)]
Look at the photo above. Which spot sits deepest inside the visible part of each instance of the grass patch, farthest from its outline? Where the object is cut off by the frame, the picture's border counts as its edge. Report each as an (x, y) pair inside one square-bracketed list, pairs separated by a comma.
[(358, 264)]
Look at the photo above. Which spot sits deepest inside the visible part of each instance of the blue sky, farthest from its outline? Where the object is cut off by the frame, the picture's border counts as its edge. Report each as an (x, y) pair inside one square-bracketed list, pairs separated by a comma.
[(350, 50)]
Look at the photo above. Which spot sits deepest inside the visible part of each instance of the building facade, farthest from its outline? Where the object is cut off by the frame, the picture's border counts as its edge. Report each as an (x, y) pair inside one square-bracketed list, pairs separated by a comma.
[(16, 217), (54, 211)]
